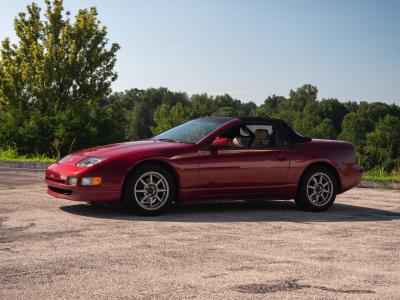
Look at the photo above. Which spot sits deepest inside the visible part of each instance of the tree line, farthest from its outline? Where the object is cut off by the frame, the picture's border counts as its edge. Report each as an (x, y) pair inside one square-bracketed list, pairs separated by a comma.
[(373, 128), (55, 97)]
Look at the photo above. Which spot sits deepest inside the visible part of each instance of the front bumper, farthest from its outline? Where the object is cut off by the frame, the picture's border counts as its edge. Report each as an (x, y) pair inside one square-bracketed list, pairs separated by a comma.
[(56, 177), (77, 193)]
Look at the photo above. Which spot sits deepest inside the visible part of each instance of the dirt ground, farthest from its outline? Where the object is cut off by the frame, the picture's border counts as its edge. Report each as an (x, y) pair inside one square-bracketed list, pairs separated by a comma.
[(54, 249)]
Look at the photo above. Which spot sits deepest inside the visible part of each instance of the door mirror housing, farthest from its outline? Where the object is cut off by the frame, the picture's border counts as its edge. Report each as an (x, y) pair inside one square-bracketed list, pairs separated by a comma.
[(221, 142)]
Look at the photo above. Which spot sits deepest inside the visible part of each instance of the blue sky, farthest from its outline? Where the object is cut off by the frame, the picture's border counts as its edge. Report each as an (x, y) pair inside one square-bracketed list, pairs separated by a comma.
[(251, 49)]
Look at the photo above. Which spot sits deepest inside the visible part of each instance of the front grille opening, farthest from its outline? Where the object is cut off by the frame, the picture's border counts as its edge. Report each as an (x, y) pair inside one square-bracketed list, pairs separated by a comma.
[(55, 180), (60, 191)]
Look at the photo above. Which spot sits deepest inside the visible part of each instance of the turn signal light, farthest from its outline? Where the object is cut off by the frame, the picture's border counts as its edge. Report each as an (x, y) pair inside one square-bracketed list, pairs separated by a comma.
[(91, 181)]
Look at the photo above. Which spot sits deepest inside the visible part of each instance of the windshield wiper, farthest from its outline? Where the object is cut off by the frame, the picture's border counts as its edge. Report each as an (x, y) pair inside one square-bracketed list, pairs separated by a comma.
[(168, 140)]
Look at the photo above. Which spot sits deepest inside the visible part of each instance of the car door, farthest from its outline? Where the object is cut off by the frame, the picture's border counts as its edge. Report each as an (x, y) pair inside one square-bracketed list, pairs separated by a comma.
[(244, 170)]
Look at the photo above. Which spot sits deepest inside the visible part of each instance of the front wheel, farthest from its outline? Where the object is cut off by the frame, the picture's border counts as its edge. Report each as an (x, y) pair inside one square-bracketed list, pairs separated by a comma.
[(317, 189), (149, 190)]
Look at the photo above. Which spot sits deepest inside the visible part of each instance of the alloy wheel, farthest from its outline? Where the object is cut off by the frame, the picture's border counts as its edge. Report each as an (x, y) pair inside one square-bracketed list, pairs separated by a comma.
[(151, 190), (319, 189)]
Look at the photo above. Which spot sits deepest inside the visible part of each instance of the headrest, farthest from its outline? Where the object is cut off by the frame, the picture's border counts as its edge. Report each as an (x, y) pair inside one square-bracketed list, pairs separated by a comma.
[(262, 134)]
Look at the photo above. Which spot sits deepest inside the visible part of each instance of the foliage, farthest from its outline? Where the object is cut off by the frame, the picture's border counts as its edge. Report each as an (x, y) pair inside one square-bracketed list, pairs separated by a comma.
[(55, 86), (52, 80), (167, 117), (382, 146)]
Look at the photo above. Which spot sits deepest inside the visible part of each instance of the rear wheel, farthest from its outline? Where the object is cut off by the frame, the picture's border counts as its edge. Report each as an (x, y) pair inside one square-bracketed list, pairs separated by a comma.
[(149, 190), (317, 189)]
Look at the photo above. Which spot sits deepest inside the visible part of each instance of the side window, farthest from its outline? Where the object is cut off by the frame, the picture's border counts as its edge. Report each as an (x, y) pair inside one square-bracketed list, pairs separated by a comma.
[(252, 136), (263, 135)]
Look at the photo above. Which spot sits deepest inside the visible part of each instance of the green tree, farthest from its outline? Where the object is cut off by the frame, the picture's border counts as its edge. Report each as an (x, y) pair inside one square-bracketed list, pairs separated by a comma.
[(166, 117), (270, 107), (202, 105), (382, 149), (247, 109), (142, 121), (353, 130), (58, 68), (226, 111), (326, 130), (333, 110), (302, 96)]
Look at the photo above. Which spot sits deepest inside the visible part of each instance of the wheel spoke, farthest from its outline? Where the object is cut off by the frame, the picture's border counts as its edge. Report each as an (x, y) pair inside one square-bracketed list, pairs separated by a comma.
[(144, 199), (144, 183)]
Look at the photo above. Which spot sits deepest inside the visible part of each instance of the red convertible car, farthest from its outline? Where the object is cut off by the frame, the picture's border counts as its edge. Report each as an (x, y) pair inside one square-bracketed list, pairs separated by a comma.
[(213, 157)]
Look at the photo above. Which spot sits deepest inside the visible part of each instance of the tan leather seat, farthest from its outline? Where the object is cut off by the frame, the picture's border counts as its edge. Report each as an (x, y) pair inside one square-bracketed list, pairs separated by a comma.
[(262, 138)]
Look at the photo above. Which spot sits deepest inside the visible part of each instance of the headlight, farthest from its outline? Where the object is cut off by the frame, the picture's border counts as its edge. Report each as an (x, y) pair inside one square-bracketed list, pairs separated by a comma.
[(72, 181), (90, 161)]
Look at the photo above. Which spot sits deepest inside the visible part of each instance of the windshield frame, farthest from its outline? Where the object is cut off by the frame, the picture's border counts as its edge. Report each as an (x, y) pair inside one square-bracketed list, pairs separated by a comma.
[(223, 122)]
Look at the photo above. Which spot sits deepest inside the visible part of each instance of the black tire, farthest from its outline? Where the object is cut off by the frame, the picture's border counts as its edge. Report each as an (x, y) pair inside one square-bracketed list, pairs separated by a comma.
[(95, 204), (132, 199), (306, 199)]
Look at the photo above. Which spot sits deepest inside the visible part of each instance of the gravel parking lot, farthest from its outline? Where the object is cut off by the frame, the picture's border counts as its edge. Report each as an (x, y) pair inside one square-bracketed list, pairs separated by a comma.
[(51, 248)]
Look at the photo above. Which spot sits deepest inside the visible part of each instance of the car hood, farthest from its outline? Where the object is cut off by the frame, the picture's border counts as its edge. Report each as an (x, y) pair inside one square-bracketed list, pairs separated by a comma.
[(112, 150), (116, 150)]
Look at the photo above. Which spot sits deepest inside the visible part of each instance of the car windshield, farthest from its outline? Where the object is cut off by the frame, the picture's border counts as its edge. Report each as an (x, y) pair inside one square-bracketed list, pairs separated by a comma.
[(192, 131)]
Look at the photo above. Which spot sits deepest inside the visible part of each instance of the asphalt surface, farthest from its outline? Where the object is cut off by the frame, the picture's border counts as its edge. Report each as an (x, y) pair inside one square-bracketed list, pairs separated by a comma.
[(55, 249)]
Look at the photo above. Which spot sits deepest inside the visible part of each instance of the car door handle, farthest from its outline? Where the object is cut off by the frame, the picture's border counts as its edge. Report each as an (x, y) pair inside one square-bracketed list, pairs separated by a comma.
[(281, 157)]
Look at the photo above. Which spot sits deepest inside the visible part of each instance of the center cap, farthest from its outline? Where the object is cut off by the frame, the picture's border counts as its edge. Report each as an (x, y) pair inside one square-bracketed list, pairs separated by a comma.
[(152, 190)]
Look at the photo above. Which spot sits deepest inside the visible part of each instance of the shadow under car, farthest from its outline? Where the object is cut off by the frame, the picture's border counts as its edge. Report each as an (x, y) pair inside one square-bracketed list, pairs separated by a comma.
[(237, 211)]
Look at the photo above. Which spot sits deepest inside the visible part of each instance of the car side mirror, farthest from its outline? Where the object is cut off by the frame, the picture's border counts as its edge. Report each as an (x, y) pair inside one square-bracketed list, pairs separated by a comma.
[(221, 142)]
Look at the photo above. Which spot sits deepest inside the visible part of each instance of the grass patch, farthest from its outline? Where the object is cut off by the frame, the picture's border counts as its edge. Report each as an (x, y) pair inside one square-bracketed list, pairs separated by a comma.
[(376, 175), (11, 154)]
